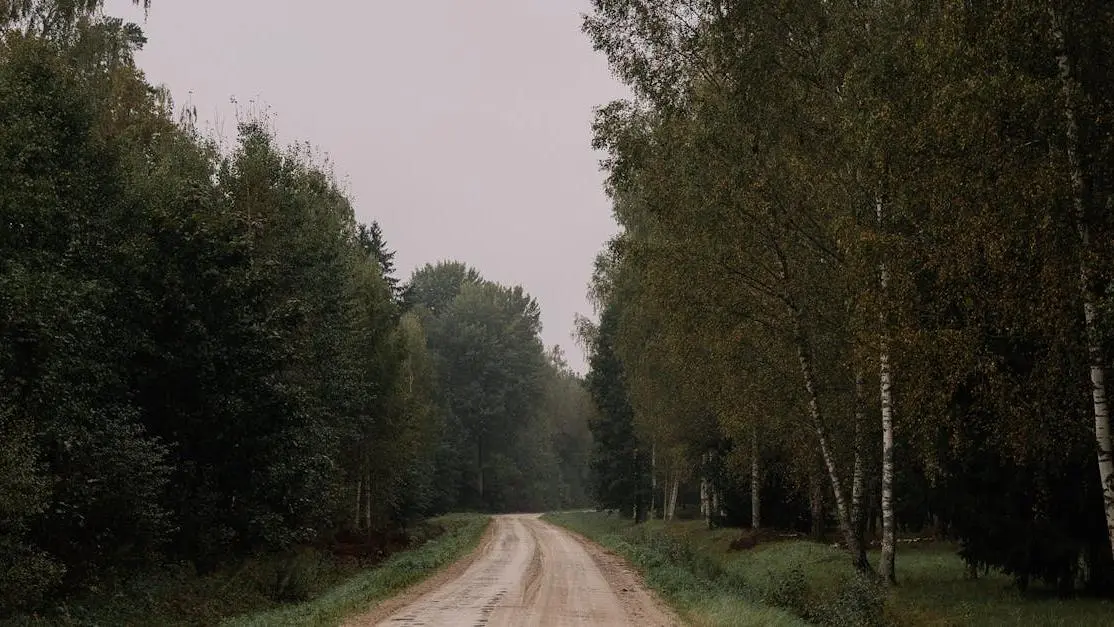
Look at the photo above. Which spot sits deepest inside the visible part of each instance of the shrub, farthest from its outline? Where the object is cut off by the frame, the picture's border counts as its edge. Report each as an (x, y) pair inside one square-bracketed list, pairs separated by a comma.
[(298, 578), (860, 601), (788, 589)]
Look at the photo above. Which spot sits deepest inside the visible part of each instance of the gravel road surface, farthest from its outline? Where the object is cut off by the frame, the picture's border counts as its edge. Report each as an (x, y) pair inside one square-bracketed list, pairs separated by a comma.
[(527, 572)]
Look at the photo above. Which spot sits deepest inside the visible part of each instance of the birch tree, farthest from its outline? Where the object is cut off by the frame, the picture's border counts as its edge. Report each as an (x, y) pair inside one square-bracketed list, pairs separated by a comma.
[(1083, 211)]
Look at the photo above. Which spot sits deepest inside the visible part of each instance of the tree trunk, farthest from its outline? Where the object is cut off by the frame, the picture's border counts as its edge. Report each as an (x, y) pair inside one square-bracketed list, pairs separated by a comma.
[(1090, 314), (666, 481), (804, 358), (858, 554), (755, 483), (816, 506), (359, 498), (367, 502), (653, 480), (889, 532), (705, 492), (674, 489), (717, 507), (639, 495), (480, 469), (664, 495), (858, 472)]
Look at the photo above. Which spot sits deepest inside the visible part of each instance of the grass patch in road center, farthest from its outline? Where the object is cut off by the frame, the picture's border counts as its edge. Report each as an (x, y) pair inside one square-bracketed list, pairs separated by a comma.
[(361, 592)]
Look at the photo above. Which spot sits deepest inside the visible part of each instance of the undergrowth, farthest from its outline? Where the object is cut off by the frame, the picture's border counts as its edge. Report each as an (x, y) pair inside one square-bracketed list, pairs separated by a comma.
[(303, 587), (364, 590), (798, 581), (690, 580)]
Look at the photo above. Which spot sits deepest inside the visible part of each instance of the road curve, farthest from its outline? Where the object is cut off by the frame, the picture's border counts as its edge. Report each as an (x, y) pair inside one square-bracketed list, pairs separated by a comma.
[(529, 572)]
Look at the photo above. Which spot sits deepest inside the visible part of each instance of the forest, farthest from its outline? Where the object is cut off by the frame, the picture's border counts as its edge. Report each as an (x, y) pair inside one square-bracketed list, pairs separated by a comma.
[(862, 287), (862, 291), (205, 357)]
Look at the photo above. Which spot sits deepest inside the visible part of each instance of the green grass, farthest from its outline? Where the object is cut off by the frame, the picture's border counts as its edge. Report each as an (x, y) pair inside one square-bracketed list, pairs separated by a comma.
[(264, 590), (689, 580), (814, 583), (364, 590), (933, 591)]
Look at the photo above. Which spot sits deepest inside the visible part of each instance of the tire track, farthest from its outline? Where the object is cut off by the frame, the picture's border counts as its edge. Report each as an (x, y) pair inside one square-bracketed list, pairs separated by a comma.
[(530, 573)]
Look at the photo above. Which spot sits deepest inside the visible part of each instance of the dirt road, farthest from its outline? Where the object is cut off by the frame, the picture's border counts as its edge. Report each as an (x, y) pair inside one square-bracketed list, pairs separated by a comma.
[(528, 572)]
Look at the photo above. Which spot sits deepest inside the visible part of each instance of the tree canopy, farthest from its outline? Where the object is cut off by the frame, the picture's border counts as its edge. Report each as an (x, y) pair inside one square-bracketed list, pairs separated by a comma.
[(204, 356), (864, 263)]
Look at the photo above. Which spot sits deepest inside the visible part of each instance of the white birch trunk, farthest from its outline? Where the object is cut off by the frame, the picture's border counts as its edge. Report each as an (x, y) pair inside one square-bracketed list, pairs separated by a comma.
[(889, 531), (755, 483), (1090, 314), (674, 489), (858, 555), (666, 479)]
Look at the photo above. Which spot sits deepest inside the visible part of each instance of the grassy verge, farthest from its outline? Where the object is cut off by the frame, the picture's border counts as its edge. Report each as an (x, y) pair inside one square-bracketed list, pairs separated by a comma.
[(690, 581), (814, 582), (264, 590), (364, 590)]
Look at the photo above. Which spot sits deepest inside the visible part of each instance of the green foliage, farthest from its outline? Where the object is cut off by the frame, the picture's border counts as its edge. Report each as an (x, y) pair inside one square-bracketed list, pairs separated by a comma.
[(805, 189), (205, 360), (514, 436), (801, 582), (93, 473), (691, 581), (259, 590), (617, 470), (372, 241), (462, 534)]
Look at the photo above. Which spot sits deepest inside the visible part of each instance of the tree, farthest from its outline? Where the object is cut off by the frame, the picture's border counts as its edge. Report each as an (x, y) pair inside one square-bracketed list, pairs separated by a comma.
[(618, 469), (372, 241), (501, 397), (845, 189)]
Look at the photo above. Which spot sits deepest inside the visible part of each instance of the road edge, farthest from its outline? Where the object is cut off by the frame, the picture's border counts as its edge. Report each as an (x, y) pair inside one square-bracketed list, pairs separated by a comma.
[(625, 580), (391, 605)]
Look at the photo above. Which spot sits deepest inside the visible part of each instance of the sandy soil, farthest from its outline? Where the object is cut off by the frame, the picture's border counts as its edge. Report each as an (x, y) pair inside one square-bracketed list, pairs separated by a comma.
[(528, 572)]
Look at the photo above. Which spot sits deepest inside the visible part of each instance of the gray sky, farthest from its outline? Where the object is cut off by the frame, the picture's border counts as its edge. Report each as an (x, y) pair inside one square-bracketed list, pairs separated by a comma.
[(462, 126)]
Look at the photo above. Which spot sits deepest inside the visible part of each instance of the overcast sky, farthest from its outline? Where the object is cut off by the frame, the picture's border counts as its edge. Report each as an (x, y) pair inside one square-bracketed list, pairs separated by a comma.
[(462, 126)]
